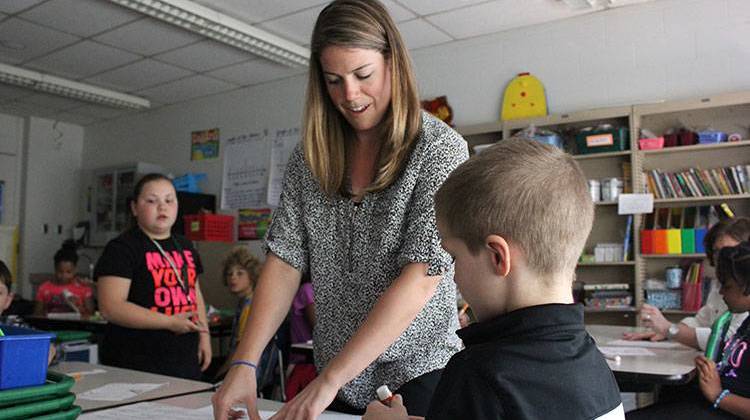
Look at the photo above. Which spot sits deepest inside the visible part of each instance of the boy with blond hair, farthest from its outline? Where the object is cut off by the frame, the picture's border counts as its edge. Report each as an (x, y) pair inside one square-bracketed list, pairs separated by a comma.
[(515, 218)]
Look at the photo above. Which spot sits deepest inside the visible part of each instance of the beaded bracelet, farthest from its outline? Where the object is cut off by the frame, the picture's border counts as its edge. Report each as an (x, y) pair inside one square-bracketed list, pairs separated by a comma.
[(244, 363), (721, 396)]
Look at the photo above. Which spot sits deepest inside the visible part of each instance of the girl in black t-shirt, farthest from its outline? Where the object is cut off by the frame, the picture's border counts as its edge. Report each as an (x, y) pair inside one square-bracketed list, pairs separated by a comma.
[(148, 291)]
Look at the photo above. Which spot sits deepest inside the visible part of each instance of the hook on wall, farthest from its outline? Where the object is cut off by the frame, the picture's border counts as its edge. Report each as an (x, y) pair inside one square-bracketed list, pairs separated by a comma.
[(57, 140)]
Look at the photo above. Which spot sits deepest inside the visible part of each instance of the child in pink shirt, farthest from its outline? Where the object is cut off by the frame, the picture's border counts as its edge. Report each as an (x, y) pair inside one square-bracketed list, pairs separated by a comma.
[(65, 293)]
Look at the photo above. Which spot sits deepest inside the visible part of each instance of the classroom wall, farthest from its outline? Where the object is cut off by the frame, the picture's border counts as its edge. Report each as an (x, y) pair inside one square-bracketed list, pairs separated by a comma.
[(50, 193), (664, 50)]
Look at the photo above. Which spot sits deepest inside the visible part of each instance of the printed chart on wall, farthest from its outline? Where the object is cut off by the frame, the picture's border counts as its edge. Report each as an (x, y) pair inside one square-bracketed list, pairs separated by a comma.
[(245, 171), (282, 146)]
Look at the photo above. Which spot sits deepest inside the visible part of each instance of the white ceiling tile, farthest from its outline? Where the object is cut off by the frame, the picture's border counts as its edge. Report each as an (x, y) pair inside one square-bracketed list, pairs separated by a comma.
[(500, 16), (15, 6), (80, 17), (19, 107), (139, 75), (398, 12), (418, 33), (36, 40), (255, 72), (148, 36), (184, 89), (296, 27), (259, 10), (427, 7), (8, 92), (82, 60), (204, 56), (53, 101)]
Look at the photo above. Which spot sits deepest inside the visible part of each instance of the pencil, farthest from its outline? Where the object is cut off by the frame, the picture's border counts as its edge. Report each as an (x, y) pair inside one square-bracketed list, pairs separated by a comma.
[(463, 309)]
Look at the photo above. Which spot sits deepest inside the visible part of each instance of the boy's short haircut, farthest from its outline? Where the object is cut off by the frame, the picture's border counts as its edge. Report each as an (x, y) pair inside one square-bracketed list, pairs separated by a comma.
[(241, 256), (5, 277), (532, 194)]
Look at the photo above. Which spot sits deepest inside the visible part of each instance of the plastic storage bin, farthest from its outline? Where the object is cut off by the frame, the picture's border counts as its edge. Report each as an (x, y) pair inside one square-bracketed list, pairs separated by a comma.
[(23, 357), (710, 137), (664, 299), (603, 140), (651, 144), (51, 401), (209, 227)]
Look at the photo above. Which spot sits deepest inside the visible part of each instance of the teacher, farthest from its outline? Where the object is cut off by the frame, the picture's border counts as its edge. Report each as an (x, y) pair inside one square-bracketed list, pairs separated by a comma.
[(356, 211)]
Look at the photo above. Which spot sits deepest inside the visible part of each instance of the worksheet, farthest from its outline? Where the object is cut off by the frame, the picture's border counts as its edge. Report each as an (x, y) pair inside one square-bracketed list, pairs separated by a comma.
[(117, 391), (151, 411), (625, 351), (646, 344)]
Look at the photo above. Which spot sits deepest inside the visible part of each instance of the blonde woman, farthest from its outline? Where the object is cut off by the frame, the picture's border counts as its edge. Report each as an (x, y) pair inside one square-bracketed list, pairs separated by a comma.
[(357, 213)]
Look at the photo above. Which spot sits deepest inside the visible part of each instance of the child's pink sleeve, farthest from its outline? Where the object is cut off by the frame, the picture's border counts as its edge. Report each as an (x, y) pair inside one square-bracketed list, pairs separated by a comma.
[(42, 293)]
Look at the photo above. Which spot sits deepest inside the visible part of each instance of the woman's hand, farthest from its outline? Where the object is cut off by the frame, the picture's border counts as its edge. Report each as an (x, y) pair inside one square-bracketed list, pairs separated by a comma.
[(652, 317), (312, 401), (182, 323), (638, 336), (376, 410), (238, 388), (708, 378), (204, 350)]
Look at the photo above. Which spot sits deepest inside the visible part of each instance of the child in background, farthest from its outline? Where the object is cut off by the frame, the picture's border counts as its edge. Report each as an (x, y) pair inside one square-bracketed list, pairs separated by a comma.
[(65, 293), (301, 370), (528, 356), (725, 387), (6, 282), (240, 271)]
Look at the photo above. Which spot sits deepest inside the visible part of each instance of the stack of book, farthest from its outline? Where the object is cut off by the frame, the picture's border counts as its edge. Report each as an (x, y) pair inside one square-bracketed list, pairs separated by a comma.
[(696, 182), (608, 296)]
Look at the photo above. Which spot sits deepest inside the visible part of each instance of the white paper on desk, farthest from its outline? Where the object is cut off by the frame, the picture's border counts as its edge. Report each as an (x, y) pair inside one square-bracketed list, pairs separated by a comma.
[(267, 414), (635, 203), (150, 411), (645, 344), (117, 391), (625, 351)]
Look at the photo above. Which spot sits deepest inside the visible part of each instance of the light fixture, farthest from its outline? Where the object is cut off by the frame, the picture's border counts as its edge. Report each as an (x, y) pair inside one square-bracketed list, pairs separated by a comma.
[(58, 86), (220, 27)]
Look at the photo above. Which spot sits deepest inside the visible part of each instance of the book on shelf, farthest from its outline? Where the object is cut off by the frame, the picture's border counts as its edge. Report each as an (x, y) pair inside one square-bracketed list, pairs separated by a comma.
[(606, 286), (628, 236), (697, 182)]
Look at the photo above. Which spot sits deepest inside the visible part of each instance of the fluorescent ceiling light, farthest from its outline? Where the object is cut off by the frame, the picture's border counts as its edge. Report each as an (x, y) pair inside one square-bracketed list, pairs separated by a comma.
[(220, 27), (58, 86)]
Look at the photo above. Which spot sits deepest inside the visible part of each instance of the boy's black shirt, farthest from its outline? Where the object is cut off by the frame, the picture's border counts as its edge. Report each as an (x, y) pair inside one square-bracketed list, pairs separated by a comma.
[(533, 363)]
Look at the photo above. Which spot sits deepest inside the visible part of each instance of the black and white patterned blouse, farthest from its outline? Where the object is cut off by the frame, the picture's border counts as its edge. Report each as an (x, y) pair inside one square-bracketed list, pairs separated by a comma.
[(355, 251)]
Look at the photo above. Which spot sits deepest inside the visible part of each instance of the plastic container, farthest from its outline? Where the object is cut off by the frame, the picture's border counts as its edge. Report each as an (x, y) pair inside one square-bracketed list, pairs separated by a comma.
[(664, 299), (57, 385), (611, 189), (47, 409), (653, 143), (23, 357), (551, 139), (601, 140), (209, 227), (595, 190), (711, 137), (189, 182)]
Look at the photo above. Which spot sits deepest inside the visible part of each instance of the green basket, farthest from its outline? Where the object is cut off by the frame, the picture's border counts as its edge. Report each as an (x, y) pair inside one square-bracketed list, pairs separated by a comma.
[(65, 336), (69, 414), (35, 409), (57, 385)]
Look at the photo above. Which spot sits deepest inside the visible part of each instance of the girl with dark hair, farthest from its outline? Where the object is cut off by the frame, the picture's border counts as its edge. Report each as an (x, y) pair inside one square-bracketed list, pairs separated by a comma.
[(65, 292), (149, 292)]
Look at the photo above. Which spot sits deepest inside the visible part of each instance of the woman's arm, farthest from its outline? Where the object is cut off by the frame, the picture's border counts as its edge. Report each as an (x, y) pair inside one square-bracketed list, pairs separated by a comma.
[(388, 319), (277, 284), (115, 308)]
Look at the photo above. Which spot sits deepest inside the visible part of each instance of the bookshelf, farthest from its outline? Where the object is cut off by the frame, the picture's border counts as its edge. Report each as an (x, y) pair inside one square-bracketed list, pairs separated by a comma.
[(728, 112)]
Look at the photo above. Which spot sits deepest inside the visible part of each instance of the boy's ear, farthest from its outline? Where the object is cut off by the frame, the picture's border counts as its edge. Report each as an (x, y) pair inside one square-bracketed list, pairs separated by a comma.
[(500, 250)]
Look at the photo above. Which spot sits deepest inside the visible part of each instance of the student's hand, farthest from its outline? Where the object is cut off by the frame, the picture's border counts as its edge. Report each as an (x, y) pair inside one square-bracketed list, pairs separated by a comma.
[(204, 350), (309, 403), (181, 323), (638, 336), (708, 378), (376, 410), (238, 388), (652, 317)]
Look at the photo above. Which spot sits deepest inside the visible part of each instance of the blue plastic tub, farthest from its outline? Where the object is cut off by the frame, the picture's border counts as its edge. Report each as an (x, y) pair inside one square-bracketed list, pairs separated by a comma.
[(23, 357), (711, 137)]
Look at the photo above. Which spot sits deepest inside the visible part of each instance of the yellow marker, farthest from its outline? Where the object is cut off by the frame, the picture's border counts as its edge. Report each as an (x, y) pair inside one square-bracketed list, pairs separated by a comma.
[(524, 98)]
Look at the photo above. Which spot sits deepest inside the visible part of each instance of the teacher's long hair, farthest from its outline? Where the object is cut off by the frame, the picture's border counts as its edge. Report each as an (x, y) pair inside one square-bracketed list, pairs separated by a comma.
[(359, 24)]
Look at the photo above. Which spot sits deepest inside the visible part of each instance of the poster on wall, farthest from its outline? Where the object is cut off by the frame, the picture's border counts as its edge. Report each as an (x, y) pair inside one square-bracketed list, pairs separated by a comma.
[(204, 144), (282, 146), (253, 223), (243, 183)]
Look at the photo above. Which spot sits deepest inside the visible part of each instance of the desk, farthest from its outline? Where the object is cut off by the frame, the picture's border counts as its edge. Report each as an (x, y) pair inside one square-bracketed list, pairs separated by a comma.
[(673, 366), (199, 401), (95, 326), (173, 386)]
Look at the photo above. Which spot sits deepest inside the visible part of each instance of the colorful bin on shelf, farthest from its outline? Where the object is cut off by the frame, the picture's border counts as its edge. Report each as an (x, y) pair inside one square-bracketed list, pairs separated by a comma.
[(209, 227), (23, 357), (600, 141)]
